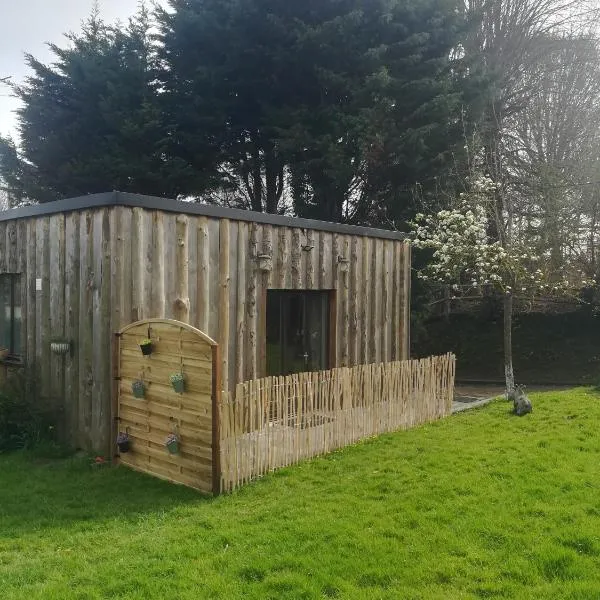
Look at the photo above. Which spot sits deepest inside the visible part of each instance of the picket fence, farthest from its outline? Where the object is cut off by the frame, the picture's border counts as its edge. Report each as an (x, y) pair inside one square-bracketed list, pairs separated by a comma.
[(278, 421)]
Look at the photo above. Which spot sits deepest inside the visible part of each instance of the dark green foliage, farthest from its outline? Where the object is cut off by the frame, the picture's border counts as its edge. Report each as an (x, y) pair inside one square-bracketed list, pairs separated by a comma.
[(225, 68), (548, 348), (91, 121), (25, 421), (354, 100), (342, 110), (390, 131)]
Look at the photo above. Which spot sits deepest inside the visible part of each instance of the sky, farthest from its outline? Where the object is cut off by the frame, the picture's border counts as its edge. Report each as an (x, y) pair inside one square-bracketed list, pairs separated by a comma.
[(27, 25)]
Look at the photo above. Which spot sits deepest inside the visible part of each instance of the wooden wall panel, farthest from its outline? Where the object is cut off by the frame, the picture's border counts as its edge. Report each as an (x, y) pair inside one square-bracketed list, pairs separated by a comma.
[(157, 272), (86, 328), (72, 316), (355, 294), (240, 291), (29, 308), (252, 302), (11, 247), (104, 268), (405, 296), (367, 269), (224, 300), (344, 302), (234, 298), (123, 261), (192, 271), (102, 335), (4, 248), (213, 279), (57, 307), (42, 314), (386, 294)]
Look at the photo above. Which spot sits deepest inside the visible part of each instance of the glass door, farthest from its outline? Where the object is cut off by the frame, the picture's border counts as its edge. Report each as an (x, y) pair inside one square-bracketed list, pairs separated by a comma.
[(297, 331)]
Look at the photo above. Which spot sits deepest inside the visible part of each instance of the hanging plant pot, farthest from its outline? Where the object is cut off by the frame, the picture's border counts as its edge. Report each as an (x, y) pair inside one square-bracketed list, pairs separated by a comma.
[(138, 388), (146, 347), (123, 443), (172, 444), (178, 382)]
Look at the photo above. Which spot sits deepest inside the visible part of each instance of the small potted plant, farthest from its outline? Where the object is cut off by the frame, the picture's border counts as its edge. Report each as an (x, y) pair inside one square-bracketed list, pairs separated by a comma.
[(172, 443), (123, 442), (178, 382), (138, 388), (146, 346)]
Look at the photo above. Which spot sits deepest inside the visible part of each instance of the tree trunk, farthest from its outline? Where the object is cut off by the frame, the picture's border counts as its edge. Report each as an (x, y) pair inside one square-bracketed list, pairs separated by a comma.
[(509, 373), (272, 172)]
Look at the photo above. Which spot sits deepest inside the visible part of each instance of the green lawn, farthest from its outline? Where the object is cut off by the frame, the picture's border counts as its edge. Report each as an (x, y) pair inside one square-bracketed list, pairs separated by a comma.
[(482, 505)]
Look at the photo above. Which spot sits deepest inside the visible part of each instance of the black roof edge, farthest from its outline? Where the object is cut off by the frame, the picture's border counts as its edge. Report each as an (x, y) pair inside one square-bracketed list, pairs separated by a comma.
[(190, 208)]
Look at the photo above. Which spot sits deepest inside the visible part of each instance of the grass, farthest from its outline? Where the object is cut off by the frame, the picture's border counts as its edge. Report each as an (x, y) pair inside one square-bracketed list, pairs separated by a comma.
[(481, 505), (548, 348)]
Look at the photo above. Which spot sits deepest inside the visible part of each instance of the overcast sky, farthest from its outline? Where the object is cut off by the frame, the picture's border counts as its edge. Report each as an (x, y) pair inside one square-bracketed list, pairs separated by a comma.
[(26, 26)]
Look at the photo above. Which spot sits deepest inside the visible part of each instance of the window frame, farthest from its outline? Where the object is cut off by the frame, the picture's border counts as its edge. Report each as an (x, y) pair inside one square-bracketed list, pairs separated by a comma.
[(329, 330), (14, 282)]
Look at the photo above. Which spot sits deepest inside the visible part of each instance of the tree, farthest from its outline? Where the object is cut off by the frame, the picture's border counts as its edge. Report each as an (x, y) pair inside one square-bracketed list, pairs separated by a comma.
[(553, 144), (224, 70), (342, 99), (394, 119), (91, 121), (505, 44), (464, 256), (333, 107)]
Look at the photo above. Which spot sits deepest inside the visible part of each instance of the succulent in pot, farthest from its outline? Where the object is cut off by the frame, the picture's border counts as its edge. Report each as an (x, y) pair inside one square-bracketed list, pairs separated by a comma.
[(146, 346), (123, 442), (172, 443), (138, 388), (178, 382)]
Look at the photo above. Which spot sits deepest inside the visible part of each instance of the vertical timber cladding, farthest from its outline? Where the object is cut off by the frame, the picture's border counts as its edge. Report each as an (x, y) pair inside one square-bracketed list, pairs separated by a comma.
[(148, 421), (64, 262), (210, 273), (369, 279), (102, 268)]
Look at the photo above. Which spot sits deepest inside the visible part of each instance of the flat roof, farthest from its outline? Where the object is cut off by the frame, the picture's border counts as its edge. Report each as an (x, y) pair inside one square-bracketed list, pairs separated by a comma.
[(189, 208)]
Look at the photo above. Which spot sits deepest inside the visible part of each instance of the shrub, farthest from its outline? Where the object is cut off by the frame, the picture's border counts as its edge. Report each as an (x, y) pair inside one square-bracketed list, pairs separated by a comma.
[(25, 421)]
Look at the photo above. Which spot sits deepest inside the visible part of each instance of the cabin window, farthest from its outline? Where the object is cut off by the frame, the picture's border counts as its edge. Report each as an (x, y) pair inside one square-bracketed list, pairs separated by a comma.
[(297, 331), (10, 314)]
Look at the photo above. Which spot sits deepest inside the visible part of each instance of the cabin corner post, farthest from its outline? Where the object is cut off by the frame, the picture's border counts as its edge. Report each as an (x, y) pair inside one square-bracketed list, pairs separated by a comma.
[(216, 421), (407, 297)]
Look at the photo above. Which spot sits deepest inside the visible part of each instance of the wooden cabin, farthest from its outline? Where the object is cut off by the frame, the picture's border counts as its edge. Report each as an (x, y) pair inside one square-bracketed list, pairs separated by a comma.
[(277, 294)]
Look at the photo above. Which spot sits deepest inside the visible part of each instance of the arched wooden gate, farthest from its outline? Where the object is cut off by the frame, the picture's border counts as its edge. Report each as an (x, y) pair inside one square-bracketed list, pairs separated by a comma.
[(151, 411)]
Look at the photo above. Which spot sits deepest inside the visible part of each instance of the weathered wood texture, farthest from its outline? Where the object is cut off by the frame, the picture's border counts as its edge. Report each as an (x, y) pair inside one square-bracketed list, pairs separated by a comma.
[(104, 268), (162, 411), (278, 421)]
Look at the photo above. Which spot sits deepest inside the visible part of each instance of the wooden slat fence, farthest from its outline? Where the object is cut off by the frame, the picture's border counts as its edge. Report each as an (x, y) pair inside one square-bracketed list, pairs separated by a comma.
[(278, 421)]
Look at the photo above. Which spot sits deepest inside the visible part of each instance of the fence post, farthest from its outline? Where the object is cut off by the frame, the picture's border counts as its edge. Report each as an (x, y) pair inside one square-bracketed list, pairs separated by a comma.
[(216, 421)]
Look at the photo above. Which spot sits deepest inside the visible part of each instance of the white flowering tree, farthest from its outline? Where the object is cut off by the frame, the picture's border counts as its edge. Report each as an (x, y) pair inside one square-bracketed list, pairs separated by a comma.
[(464, 257)]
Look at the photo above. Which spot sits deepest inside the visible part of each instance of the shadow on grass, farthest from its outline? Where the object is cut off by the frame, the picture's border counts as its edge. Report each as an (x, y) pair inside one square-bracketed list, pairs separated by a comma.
[(37, 494)]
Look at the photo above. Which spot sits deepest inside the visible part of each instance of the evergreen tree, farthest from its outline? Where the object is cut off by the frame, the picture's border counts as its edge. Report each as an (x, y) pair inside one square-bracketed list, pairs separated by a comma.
[(391, 114), (336, 107), (91, 121), (354, 99)]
